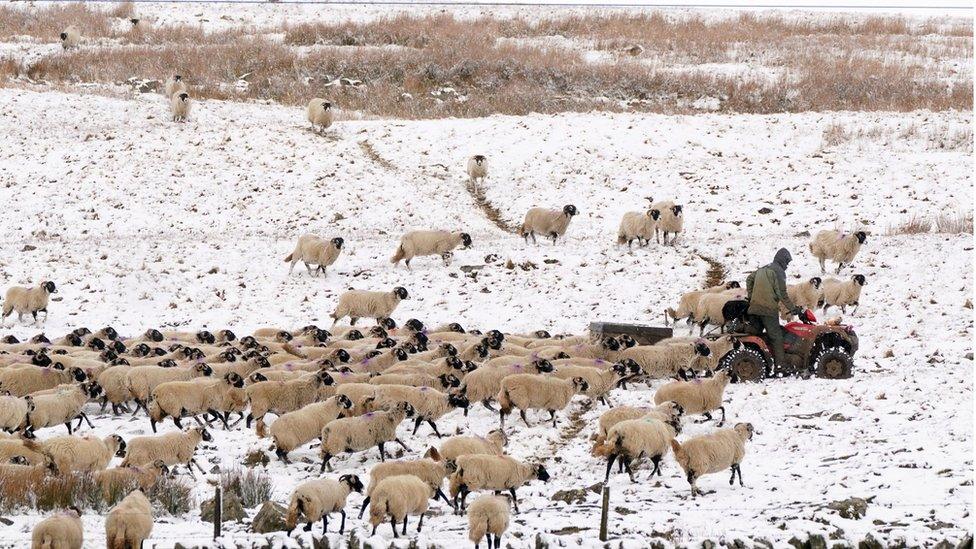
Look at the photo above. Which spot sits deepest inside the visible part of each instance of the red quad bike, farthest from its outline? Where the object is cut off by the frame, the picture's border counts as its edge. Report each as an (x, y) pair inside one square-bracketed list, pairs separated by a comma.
[(823, 350)]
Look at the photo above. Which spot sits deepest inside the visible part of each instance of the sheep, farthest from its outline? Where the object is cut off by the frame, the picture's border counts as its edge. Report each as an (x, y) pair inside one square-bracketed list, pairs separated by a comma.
[(719, 310), (113, 383), (488, 516), (172, 449), (314, 250), (428, 404), (549, 223), (599, 380), (70, 37), (358, 304), (242, 368), (129, 523), (139, 25), (449, 365), (359, 433), (173, 85), (293, 429), (179, 106), (19, 472), (530, 391), (836, 246), (320, 113), (397, 497), (607, 349), (689, 302), (188, 398), (806, 294), (284, 396), (359, 394), (375, 361), (836, 293), (670, 220), (25, 300), (14, 448), (13, 413), (23, 380), (637, 225), (445, 381), (60, 531), (493, 443), (143, 380), (636, 438), (698, 396), (712, 453), (477, 169), (486, 472), (318, 498), (74, 453), (484, 383), (420, 243), (123, 479), (430, 470), (667, 411), (60, 407)]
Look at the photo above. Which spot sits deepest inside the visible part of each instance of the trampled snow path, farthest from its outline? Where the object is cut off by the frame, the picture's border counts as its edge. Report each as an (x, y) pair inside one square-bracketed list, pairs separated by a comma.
[(150, 223)]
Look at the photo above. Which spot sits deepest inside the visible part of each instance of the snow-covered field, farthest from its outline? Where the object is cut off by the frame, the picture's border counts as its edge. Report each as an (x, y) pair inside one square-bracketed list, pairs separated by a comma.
[(143, 222)]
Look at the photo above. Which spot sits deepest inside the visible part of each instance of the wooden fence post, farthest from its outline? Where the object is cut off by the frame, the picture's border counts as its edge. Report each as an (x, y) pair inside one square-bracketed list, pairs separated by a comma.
[(604, 511), (218, 507)]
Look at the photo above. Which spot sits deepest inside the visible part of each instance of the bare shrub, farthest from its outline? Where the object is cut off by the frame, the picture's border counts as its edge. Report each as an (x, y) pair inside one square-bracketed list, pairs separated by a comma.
[(172, 495), (48, 20), (944, 223), (252, 486)]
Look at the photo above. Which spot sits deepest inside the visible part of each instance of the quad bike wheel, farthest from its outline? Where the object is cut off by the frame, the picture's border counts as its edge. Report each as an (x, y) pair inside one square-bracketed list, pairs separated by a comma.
[(747, 364), (833, 363)]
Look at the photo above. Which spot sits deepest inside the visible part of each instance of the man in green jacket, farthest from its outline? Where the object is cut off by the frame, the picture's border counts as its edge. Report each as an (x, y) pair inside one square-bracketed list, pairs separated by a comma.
[(767, 291)]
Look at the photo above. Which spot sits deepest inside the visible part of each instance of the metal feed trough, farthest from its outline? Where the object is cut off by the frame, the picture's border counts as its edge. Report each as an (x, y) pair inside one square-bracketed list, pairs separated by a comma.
[(644, 335)]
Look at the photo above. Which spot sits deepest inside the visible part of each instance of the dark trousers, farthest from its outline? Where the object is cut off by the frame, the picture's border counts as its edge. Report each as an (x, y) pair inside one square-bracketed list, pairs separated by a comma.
[(772, 327)]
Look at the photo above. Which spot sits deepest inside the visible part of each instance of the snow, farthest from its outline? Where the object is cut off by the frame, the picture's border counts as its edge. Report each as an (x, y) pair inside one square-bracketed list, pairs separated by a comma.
[(143, 222)]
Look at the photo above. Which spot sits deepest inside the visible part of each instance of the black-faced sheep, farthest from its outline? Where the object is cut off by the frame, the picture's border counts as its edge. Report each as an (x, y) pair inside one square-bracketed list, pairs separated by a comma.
[(549, 223)]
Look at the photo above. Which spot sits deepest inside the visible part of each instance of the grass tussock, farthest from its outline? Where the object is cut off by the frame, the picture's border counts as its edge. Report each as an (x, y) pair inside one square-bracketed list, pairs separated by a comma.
[(47, 21), (251, 485), (944, 223)]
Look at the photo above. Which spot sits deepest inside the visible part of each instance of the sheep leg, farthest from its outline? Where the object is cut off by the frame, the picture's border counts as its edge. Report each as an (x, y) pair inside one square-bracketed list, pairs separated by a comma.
[(732, 480), (194, 462), (487, 405), (738, 467), (84, 416), (630, 472), (404, 525), (434, 427), (283, 456), (416, 424), (421, 524), (856, 305), (393, 524), (552, 416), (498, 541), (656, 460), (325, 461), (722, 408), (839, 265), (464, 495), (307, 527), (361, 509), (610, 461), (342, 525), (514, 499), (325, 523), (708, 417), (382, 451), (443, 496), (68, 425)]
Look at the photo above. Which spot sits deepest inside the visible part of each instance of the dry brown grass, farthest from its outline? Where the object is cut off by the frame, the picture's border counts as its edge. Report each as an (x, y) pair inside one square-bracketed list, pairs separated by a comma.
[(47, 21), (944, 223)]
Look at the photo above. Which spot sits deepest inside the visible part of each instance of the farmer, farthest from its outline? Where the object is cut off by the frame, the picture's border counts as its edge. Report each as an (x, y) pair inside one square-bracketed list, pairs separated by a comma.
[(767, 291)]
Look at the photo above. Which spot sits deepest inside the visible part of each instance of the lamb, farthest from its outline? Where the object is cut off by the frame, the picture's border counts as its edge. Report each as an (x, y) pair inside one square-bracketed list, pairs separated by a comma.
[(428, 404), (293, 429), (320, 113), (188, 398), (599, 380), (284, 396), (13, 413), (670, 220), (59, 407), (636, 438), (689, 302), (836, 293), (397, 497), (129, 523), (21, 381), (358, 304), (420, 243), (74, 453), (431, 471), (318, 498), (70, 37), (493, 443), (143, 380), (806, 294), (122, 479), (719, 310), (836, 246), (179, 106), (667, 411), (712, 453), (486, 472), (25, 300), (60, 531), (484, 383), (488, 516), (637, 225), (549, 223), (172, 448), (477, 169), (697, 396), (530, 391), (359, 433), (314, 250)]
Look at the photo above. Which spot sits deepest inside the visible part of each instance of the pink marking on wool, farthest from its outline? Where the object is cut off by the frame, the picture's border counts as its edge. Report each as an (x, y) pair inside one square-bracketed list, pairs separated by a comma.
[(422, 389), (516, 366), (368, 414)]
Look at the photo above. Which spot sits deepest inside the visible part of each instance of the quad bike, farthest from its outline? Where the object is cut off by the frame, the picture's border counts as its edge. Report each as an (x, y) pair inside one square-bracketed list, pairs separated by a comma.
[(822, 350)]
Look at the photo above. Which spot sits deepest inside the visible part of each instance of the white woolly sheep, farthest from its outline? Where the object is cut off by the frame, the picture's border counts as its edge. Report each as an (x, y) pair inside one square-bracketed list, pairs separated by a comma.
[(486, 472), (699, 396), (14, 448), (142, 380), (174, 84), (430, 470), (836, 293), (139, 25), (123, 479), (279, 397), (836, 246), (179, 106), (637, 225), (70, 37), (60, 407), (484, 383), (359, 394), (548, 223), (712, 453), (353, 434), (428, 404), (177, 399), (445, 381), (719, 310), (637, 438), (73, 453), (315, 499), (493, 443), (689, 302), (25, 300), (477, 169), (600, 381), (129, 523), (13, 413), (116, 391), (22, 380), (293, 429), (421, 243), (172, 449), (375, 361), (488, 516), (806, 294), (535, 392), (396, 497), (60, 531), (320, 114), (358, 304), (315, 250), (668, 412), (670, 220)]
